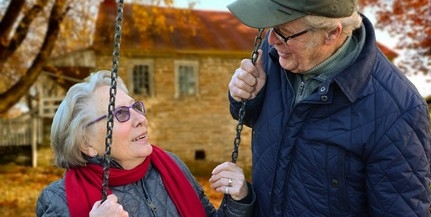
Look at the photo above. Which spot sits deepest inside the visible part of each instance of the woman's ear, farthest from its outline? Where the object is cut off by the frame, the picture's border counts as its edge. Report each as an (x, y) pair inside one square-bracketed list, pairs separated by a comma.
[(89, 150)]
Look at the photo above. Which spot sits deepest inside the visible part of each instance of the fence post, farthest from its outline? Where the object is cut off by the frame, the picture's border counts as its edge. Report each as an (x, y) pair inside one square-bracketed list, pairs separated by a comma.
[(34, 140)]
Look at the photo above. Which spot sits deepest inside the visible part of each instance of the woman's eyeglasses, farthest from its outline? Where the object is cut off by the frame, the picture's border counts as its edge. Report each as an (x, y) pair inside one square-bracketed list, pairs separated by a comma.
[(122, 113), (284, 38)]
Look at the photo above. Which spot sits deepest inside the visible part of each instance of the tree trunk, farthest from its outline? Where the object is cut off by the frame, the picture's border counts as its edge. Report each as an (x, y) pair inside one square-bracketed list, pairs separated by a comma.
[(20, 88)]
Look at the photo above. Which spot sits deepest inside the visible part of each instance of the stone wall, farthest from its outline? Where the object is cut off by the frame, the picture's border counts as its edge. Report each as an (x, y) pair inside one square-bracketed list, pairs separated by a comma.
[(193, 126)]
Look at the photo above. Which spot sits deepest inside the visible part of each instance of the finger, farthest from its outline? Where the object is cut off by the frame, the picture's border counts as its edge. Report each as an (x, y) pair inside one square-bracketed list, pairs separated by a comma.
[(237, 87), (222, 166), (224, 181), (226, 169), (229, 181), (246, 75), (219, 177), (248, 79), (260, 77), (226, 190), (259, 63), (253, 68), (240, 94), (240, 81), (97, 204), (112, 198), (226, 174)]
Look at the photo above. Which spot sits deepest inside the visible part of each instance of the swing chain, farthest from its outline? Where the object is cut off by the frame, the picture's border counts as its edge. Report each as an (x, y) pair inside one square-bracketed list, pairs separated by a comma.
[(112, 93), (239, 126)]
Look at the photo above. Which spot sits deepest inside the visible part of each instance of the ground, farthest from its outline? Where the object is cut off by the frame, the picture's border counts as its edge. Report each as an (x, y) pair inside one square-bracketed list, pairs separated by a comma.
[(21, 184)]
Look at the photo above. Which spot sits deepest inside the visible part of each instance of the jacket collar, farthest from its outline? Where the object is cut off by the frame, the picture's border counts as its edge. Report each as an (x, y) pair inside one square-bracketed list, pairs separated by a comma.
[(352, 79)]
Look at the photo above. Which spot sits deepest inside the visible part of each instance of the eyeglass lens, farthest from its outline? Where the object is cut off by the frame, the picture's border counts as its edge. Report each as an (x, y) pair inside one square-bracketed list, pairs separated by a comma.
[(284, 38), (122, 113)]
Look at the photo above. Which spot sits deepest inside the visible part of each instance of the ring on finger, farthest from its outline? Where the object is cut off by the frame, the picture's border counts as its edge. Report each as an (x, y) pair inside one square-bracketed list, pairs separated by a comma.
[(226, 190), (229, 182)]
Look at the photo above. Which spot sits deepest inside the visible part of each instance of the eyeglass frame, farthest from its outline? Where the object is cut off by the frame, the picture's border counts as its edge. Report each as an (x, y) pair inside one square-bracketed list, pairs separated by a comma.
[(116, 109), (284, 38)]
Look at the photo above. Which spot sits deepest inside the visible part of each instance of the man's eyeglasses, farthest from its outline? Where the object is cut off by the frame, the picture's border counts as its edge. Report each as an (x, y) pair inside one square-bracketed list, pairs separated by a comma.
[(284, 38), (122, 113)]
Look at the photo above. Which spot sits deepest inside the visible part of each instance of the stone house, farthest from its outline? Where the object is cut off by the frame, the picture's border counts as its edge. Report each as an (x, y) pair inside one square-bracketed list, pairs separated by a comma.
[(181, 75)]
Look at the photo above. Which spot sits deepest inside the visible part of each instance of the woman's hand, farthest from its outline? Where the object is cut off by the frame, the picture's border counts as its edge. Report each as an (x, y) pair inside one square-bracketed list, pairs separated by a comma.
[(228, 178), (109, 208)]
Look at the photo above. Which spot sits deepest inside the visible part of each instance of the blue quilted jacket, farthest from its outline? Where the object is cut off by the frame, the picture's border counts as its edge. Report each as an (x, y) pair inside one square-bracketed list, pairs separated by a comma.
[(358, 146)]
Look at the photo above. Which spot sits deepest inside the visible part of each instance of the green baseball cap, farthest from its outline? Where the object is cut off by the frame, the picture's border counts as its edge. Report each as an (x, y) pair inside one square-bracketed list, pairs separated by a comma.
[(268, 13)]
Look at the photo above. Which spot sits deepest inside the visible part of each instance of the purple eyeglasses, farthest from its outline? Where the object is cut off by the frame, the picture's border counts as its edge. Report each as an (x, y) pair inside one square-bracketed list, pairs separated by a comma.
[(122, 113)]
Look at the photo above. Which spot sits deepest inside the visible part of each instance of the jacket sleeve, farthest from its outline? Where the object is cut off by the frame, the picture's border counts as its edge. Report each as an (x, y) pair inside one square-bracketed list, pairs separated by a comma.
[(51, 202), (230, 207), (398, 171)]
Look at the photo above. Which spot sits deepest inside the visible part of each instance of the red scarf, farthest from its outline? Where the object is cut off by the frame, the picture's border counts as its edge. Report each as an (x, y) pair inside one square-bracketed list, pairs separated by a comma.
[(84, 184)]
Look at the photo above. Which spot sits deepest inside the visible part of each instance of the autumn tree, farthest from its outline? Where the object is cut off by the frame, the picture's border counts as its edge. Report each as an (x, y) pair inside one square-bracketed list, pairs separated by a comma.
[(33, 31), (30, 32), (410, 21)]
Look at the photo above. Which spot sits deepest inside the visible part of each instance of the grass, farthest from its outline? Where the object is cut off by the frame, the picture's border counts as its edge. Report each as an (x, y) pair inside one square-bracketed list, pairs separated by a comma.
[(21, 184)]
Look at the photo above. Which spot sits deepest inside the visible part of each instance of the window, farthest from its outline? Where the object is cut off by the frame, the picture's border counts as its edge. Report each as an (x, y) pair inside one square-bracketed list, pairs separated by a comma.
[(141, 74), (186, 78)]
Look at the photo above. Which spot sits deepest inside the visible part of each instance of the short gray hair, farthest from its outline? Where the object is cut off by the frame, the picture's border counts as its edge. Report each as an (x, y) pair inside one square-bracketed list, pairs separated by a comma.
[(68, 129), (348, 23)]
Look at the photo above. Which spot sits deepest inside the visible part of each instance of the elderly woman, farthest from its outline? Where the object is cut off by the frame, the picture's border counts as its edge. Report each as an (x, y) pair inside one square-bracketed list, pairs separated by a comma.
[(144, 179)]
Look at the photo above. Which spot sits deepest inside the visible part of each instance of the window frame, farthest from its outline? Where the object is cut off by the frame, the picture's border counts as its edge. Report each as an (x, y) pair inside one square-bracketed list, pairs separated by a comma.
[(130, 70), (187, 63)]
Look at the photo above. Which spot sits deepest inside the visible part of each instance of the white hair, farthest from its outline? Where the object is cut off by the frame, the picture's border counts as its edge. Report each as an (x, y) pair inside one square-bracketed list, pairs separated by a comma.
[(349, 24), (68, 129)]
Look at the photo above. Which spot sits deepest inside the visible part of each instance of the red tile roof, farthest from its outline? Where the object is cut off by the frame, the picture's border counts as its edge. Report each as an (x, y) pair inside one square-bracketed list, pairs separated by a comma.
[(188, 31), (202, 31)]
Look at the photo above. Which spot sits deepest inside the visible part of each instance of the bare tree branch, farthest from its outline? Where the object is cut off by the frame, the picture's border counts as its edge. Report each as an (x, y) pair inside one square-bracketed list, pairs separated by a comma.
[(22, 30), (8, 21), (21, 88)]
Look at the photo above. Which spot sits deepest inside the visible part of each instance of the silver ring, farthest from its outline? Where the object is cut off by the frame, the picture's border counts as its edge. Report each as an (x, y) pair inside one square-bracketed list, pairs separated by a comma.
[(226, 190), (229, 182)]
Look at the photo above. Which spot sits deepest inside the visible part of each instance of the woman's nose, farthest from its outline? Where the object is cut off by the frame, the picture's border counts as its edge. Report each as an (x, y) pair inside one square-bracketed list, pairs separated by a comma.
[(138, 119)]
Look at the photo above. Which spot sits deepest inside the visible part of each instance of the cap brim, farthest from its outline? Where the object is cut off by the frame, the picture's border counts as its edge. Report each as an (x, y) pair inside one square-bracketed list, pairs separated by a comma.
[(262, 13)]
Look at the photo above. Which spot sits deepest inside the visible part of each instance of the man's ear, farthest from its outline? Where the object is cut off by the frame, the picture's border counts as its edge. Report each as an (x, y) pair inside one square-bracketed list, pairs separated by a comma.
[(332, 35)]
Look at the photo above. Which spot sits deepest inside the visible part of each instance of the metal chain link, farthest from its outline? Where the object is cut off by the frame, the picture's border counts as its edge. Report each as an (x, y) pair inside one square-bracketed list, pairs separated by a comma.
[(112, 93), (239, 126)]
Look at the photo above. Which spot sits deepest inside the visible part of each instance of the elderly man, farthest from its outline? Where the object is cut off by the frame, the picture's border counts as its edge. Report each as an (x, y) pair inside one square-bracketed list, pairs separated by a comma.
[(337, 129)]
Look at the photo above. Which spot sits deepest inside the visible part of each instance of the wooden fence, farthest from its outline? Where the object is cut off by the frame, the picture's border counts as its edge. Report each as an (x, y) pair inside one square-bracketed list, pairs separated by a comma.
[(20, 131)]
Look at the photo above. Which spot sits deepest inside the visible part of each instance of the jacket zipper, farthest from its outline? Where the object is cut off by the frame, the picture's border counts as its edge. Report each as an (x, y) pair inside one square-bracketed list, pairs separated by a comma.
[(150, 204), (301, 88)]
